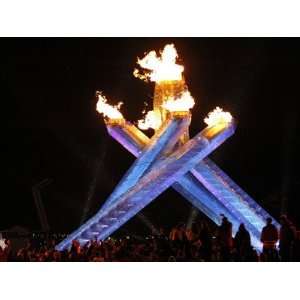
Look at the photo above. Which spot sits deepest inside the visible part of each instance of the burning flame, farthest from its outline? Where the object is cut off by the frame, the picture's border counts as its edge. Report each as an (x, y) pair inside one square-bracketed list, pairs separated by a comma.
[(163, 68), (182, 103), (110, 111), (218, 116), (151, 120)]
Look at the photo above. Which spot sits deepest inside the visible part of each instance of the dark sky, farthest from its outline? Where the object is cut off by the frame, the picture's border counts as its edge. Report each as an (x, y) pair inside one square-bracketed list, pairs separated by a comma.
[(52, 130)]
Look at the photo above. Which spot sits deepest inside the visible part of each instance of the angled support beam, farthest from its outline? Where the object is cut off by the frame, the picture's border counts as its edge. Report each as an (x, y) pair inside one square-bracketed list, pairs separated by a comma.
[(239, 207)]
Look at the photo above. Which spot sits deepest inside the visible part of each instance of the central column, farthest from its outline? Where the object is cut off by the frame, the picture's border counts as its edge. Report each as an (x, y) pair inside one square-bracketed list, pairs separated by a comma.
[(164, 90)]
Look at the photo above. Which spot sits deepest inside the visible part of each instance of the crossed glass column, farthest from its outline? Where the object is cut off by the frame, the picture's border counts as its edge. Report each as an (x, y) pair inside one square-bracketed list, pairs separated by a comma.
[(162, 163)]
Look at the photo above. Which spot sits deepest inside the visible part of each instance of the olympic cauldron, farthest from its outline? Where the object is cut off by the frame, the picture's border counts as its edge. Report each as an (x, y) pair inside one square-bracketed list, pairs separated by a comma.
[(170, 159)]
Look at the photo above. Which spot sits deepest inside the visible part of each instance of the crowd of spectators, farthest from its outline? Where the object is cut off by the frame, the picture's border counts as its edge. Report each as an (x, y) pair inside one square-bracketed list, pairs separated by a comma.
[(201, 242)]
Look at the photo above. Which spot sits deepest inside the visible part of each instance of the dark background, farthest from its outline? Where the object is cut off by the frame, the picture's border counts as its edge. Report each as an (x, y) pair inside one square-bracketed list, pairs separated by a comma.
[(52, 130)]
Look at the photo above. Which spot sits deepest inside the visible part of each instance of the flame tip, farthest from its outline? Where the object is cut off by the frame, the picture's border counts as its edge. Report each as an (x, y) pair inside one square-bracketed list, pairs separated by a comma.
[(110, 111), (218, 116), (184, 102), (151, 120), (160, 68)]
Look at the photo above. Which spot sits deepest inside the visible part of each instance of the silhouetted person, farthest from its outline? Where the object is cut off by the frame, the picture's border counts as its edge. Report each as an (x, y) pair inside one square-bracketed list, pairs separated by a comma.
[(225, 239), (242, 242), (269, 238), (287, 237), (193, 233), (206, 241), (75, 251), (162, 233)]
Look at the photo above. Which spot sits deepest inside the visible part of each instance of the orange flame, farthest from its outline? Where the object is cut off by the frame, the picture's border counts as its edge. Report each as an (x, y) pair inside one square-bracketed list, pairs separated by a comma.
[(163, 68), (218, 116), (182, 103), (151, 120), (110, 111)]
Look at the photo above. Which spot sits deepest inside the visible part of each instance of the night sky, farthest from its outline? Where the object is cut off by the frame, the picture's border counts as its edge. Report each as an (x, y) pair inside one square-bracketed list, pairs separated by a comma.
[(52, 130)]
